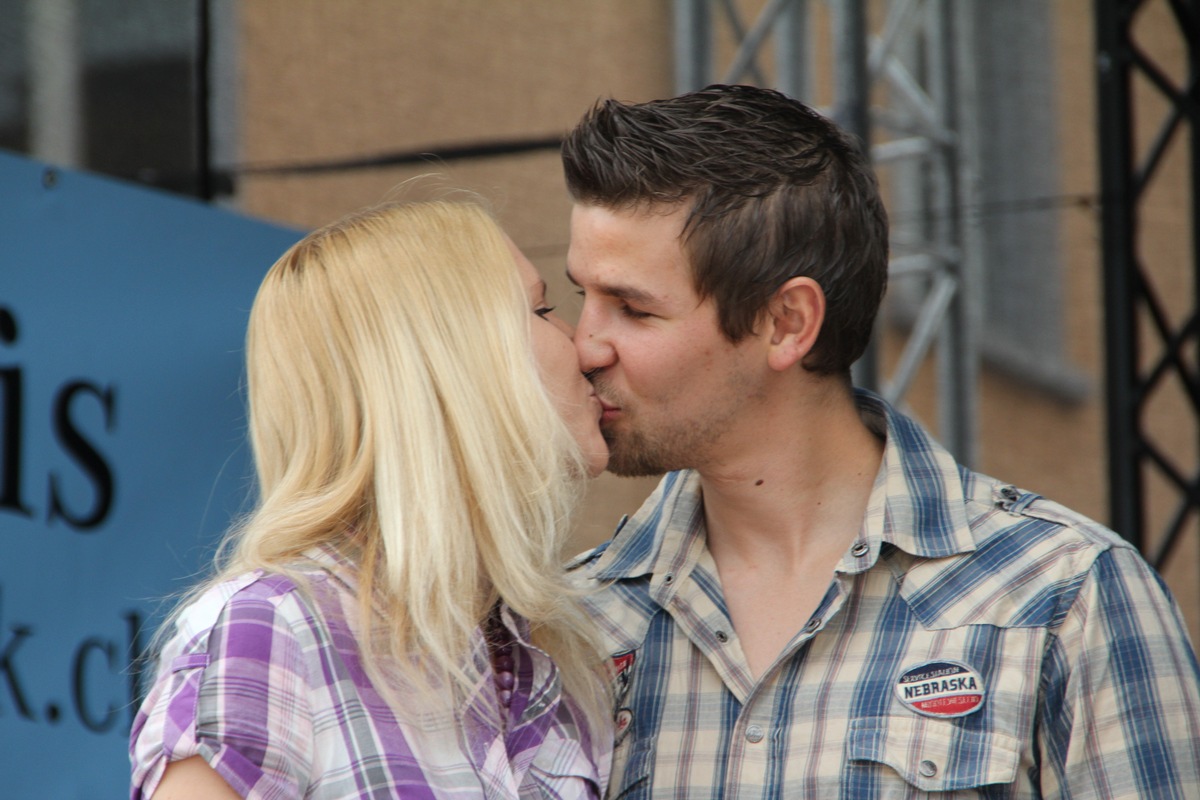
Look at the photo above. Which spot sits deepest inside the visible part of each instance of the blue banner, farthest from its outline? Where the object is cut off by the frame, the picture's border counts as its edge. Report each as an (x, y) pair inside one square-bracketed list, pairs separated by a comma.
[(122, 452)]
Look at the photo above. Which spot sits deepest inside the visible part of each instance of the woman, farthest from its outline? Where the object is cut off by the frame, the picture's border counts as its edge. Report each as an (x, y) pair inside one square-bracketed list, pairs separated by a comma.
[(391, 620)]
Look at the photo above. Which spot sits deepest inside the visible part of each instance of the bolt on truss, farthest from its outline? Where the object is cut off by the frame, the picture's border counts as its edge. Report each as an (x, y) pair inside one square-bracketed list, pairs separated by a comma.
[(918, 132), (1149, 111)]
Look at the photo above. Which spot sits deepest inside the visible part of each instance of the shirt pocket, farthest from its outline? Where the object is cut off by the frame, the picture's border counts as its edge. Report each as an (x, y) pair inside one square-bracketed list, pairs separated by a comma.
[(933, 755)]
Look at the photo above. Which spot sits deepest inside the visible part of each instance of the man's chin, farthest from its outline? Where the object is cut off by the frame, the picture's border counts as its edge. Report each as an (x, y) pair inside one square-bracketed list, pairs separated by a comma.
[(635, 471), (632, 465)]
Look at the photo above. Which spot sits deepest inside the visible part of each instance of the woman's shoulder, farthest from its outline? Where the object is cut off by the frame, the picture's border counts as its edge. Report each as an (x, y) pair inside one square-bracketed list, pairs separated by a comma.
[(247, 589), (257, 604)]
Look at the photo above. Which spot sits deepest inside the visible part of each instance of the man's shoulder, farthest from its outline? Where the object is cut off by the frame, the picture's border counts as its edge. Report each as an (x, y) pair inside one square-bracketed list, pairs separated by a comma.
[(999, 509), (1031, 557)]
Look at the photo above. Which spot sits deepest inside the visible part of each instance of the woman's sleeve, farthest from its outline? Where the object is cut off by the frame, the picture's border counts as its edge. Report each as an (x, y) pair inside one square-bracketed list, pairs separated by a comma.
[(236, 696)]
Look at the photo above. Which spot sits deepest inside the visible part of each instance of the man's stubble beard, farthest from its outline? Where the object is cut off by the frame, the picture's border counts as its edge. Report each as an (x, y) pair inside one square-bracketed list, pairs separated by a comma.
[(632, 456), (678, 444)]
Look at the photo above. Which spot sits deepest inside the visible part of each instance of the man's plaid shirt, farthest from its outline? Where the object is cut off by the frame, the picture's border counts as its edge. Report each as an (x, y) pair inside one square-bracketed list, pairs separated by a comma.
[(976, 641)]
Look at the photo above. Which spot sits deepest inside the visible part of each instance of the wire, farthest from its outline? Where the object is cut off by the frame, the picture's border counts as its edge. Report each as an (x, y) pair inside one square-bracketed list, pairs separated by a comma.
[(438, 153)]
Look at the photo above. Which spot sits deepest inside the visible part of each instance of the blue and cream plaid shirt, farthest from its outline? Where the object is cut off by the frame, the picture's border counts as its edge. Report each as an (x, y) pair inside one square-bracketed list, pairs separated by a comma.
[(975, 641)]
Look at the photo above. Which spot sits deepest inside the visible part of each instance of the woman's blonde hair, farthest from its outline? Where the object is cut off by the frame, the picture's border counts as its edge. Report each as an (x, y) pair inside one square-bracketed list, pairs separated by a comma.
[(397, 415)]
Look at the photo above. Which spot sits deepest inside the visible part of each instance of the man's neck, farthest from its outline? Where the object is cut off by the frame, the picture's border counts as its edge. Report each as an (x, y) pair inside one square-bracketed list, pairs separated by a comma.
[(780, 518), (805, 480)]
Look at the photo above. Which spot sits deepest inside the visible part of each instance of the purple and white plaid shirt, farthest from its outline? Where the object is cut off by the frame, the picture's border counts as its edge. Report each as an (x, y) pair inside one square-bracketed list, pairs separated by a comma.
[(265, 683)]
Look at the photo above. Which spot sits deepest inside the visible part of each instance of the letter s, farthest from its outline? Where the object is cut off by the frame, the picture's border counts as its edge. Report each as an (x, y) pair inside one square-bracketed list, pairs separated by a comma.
[(88, 458)]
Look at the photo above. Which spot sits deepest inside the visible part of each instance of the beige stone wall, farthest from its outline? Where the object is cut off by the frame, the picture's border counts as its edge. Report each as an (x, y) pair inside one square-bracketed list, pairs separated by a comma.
[(322, 81)]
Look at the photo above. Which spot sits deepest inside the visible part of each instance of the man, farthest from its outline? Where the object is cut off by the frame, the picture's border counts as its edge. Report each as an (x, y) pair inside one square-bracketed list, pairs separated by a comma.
[(817, 601)]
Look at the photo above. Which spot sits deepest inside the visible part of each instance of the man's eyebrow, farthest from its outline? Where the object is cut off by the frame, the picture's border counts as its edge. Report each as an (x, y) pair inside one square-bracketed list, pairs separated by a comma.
[(621, 292)]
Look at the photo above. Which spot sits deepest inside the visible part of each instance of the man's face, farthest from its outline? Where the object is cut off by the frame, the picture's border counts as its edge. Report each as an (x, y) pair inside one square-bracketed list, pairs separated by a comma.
[(673, 387)]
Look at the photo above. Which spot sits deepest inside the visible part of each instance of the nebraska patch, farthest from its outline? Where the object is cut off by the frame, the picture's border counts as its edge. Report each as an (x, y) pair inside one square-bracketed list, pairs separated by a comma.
[(941, 689)]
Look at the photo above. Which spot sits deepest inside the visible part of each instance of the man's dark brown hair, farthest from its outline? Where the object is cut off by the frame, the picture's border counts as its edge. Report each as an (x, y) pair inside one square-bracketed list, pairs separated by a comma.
[(774, 190)]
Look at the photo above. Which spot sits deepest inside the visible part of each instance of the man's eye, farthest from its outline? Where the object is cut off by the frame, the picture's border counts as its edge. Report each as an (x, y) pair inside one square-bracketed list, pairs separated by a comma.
[(633, 313), (543, 311)]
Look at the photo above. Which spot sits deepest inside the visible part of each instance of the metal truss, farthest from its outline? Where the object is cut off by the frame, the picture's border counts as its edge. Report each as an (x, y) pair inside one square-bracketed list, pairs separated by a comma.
[(919, 130), (1151, 351)]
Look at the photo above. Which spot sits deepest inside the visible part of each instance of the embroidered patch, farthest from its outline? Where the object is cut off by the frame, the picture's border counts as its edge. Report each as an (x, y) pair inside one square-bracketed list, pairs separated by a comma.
[(941, 689)]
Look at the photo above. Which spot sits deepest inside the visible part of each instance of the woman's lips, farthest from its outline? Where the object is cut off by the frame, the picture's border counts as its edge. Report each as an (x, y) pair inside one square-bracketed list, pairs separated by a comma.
[(608, 412)]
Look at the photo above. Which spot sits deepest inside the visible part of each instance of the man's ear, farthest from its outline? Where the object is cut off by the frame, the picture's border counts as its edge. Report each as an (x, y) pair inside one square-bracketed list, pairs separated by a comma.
[(795, 315)]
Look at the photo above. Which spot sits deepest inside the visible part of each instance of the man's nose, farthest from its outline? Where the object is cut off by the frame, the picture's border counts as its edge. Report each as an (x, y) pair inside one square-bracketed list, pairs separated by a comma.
[(594, 347)]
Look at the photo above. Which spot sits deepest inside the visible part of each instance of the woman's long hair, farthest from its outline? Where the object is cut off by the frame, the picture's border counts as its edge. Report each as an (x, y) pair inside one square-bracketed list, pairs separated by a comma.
[(397, 415)]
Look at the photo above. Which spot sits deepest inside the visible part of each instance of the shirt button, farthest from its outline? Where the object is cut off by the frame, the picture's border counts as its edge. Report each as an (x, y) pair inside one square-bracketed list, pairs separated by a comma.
[(669, 578), (859, 550), (927, 769), (754, 734), (722, 637), (812, 625)]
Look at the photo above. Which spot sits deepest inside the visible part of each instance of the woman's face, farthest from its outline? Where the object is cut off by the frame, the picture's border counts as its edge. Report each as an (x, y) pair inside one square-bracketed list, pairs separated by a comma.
[(558, 364)]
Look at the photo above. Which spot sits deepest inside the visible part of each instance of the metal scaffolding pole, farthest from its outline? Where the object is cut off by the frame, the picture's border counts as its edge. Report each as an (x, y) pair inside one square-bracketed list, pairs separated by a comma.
[(56, 82), (924, 124), (1150, 353)]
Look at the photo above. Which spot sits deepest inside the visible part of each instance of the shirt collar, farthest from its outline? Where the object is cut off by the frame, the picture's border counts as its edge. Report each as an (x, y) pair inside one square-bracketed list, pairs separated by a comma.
[(636, 545), (917, 504)]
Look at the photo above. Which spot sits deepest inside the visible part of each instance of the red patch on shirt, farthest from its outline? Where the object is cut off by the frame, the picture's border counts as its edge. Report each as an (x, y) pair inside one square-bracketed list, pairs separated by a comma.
[(622, 662)]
